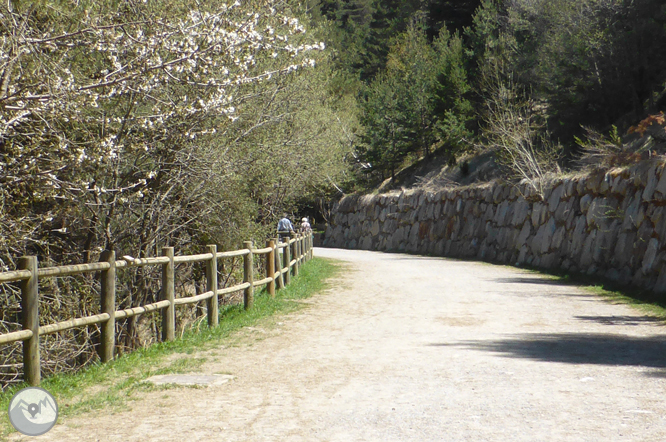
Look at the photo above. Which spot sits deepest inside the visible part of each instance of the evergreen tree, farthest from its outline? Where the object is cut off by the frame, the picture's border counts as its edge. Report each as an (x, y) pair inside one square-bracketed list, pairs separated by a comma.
[(454, 15), (452, 109), (418, 101), (385, 142)]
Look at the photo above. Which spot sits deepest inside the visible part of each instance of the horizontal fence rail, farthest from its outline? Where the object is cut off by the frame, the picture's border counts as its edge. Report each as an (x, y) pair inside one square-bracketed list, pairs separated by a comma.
[(282, 260)]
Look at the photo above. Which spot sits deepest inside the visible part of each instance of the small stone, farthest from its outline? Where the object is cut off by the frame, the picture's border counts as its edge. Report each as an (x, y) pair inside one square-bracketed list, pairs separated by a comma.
[(650, 255), (651, 184), (585, 202), (538, 214), (521, 209), (555, 198), (632, 215), (523, 236), (661, 185), (374, 231)]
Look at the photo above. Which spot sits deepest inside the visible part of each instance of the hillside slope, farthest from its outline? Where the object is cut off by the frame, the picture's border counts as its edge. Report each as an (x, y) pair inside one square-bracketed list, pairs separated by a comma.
[(642, 142), (435, 172)]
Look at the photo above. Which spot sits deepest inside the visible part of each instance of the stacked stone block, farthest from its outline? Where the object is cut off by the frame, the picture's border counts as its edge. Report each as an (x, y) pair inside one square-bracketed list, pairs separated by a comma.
[(610, 223)]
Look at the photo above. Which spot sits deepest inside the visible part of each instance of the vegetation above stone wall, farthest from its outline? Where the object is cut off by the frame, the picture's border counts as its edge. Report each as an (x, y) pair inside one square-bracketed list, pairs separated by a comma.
[(527, 74)]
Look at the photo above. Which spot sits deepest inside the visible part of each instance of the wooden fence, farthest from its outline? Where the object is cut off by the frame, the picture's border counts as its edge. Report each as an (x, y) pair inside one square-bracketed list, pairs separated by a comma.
[(278, 273)]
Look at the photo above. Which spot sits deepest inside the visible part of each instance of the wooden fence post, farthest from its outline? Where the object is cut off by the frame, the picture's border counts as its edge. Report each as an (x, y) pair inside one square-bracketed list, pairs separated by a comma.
[(248, 276), (286, 255), (297, 254), (278, 263), (168, 294), (270, 267), (211, 286), (30, 320), (108, 306), (304, 247)]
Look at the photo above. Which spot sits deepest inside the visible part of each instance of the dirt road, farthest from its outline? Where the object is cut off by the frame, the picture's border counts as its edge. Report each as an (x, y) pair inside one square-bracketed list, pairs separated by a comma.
[(412, 348)]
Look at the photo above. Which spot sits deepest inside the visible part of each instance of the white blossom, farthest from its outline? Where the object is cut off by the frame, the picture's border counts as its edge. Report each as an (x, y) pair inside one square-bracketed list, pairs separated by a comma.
[(131, 97)]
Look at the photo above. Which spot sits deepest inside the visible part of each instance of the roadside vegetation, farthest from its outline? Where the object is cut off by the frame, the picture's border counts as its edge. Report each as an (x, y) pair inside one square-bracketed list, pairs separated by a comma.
[(533, 81), (646, 301), (132, 125), (115, 383)]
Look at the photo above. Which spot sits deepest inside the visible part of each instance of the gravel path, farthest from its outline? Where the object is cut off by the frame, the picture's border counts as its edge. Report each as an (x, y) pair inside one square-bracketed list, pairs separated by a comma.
[(408, 348)]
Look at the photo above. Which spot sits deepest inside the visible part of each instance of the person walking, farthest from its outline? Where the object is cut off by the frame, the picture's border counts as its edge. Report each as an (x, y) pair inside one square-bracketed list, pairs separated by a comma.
[(305, 225), (284, 228)]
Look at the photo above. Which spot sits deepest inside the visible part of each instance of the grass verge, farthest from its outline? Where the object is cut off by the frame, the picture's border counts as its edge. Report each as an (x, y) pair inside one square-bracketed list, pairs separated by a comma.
[(645, 301), (113, 384)]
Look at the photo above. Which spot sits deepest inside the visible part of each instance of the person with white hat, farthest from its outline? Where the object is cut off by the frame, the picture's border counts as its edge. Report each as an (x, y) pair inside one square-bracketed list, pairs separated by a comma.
[(305, 225)]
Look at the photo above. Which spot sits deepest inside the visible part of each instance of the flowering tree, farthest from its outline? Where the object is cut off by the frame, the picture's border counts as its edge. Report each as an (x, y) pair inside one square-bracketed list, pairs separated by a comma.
[(157, 123), (96, 104)]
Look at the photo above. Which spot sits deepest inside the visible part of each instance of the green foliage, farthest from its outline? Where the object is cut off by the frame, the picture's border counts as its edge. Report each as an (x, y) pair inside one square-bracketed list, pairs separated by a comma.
[(593, 62), (291, 139), (453, 15), (453, 110), (149, 132), (417, 102), (131, 125), (384, 140), (413, 62), (364, 27), (600, 151)]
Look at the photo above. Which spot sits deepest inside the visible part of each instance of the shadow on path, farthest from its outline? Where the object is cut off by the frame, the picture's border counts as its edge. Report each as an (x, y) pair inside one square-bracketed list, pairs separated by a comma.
[(531, 280), (526, 291), (578, 348), (622, 320), (547, 294)]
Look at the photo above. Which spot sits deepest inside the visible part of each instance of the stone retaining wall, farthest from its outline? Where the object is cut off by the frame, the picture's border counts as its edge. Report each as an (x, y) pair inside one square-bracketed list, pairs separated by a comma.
[(610, 224)]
